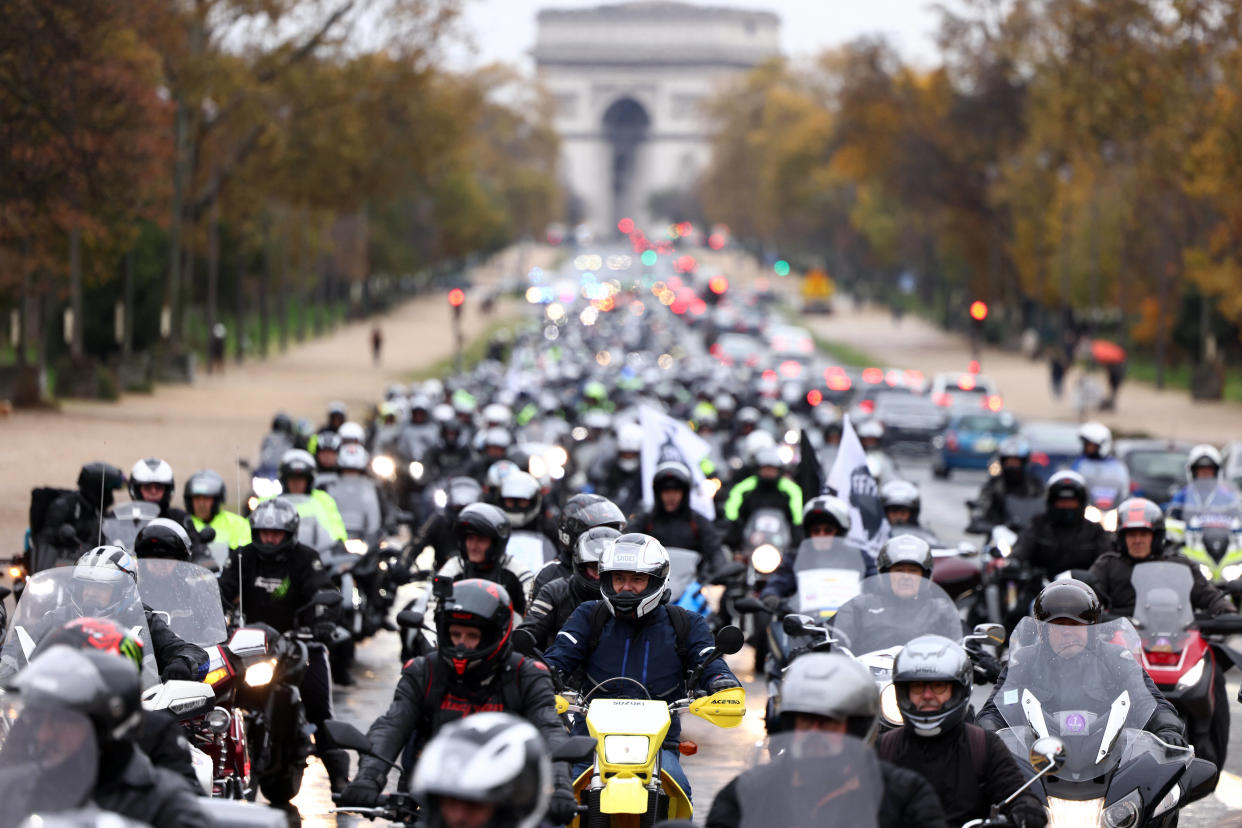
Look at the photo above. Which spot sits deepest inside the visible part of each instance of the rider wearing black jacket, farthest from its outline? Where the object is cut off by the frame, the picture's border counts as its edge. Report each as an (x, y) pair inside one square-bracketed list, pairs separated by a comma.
[(1074, 602), (1062, 538), (552, 607), (82, 510), (673, 523), (474, 670), (1015, 479), (580, 513)]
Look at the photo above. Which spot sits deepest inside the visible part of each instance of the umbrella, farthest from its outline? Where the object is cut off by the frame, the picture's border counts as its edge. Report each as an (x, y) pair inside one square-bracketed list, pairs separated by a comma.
[(1107, 353)]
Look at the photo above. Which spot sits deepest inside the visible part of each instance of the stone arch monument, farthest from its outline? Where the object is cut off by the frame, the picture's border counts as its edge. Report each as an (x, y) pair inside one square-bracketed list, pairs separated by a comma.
[(629, 81)]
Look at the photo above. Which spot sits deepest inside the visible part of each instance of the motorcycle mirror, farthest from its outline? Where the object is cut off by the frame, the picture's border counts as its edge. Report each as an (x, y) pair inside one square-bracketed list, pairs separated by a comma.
[(795, 624), (574, 749), (410, 619), (993, 632), (967, 549), (347, 736), (1201, 778), (442, 587), (728, 572), (328, 598), (1047, 752), (729, 640), (749, 604), (207, 534), (5, 592), (67, 533)]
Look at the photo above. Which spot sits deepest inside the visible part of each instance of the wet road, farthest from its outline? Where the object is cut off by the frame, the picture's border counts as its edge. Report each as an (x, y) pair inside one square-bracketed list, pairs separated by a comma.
[(724, 753)]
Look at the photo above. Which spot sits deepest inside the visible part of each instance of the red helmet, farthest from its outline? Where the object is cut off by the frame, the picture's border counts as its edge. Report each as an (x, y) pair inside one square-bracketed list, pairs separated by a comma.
[(102, 634), (486, 606), (1140, 513)]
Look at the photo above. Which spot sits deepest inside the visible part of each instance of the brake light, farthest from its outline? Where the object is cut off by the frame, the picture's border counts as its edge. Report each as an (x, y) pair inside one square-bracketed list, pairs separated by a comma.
[(839, 382), (872, 376), (941, 399), (791, 369), (966, 382), (769, 375), (1163, 659), (994, 403), (715, 349), (1039, 458), (893, 377), (950, 440), (867, 406)]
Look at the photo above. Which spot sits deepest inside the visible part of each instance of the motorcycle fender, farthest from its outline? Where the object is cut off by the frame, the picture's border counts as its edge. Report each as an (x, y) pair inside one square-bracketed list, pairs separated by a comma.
[(623, 795), (1144, 773)]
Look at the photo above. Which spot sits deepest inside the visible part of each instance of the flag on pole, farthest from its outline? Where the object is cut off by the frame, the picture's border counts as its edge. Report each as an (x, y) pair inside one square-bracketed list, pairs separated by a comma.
[(810, 476), (666, 438), (854, 484)]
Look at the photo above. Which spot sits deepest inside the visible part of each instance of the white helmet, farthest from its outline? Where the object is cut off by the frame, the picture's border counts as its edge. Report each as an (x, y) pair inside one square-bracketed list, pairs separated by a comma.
[(516, 487), (352, 457), (151, 470), (756, 442), (629, 441), (1203, 455), (1099, 434), (352, 432)]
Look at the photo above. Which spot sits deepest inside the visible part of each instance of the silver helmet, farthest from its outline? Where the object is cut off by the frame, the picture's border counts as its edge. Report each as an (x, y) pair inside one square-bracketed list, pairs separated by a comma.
[(834, 686), (931, 658), (908, 549), (644, 555)]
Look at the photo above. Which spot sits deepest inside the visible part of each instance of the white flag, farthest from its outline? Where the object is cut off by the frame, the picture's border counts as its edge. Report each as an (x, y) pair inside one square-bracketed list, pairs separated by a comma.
[(665, 438), (854, 484)]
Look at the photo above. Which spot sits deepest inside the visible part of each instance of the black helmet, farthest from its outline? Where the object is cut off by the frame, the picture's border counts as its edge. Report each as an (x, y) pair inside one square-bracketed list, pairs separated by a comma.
[(1067, 484), (104, 688), (591, 546), (282, 422), (907, 549), (1068, 599), (297, 463), (278, 514), (486, 606), (1014, 447), (493, 758), (97, 481), (486, 520), (669, 475), (826, 509), (205, 483), (1140, 513), (163, 538), (933, 658), (581, 512)]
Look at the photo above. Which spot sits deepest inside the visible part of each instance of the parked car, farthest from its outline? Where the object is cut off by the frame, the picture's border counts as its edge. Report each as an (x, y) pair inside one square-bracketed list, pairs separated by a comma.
[(1054, 445), (969, 440), (1157, 467), (950, 390), (910, 420)]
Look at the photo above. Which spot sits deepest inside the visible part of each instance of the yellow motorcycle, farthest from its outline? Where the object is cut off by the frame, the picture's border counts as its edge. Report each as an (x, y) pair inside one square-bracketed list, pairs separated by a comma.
[(625, 787)]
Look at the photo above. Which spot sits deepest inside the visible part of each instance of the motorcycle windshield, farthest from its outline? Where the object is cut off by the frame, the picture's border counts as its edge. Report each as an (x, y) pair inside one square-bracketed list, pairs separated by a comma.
[(768, 526), (53, 598), (1022, 510), (1211, 503), (49, 758), (830, 572), (811, 778), (358, 502), (528, 548), (123, 522), (188, 595), (683, 569), (1083, 684), (892, 608), (1107, 480), (310, 531), (1162, 605)]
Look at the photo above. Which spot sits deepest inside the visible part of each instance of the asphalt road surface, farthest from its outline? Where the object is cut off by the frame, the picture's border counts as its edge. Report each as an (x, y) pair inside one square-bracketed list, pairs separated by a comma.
[(724, 753)]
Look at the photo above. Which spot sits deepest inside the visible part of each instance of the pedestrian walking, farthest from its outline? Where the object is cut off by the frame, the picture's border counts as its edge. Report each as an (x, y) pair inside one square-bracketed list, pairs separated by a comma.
[(377, 344)]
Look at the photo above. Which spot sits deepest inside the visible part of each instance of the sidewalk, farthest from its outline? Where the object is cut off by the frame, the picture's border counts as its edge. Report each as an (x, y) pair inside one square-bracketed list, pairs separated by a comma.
[(1025, 385), (224, 416)]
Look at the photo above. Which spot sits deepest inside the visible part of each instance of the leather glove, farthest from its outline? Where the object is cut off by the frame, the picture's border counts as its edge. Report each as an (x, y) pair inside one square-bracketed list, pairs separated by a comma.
[(323, 631), (177, 671), (361, 793), (987, 669), (722, 683), (1172, 737), (773, 602), (562, 807)]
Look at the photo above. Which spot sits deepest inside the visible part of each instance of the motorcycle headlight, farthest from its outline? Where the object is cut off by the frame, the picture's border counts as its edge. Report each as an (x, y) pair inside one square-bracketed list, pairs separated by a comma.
[(218, 720), (889, 708), (1230, 573), (1072, 813), (626, 750), (356, 546), (440, 498), (265, 487), (557, 456), (1124, 813), (260, 673), (1004, 547), (416, 470), (1093, 514), (765, 559), (1109, 520), (383, 466), (1170, 801), (252, 502), (1192, 676), (1211, 576)]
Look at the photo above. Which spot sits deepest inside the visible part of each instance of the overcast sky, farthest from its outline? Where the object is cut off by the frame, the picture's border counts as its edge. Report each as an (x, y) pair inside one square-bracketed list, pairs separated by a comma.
[(505, 29)]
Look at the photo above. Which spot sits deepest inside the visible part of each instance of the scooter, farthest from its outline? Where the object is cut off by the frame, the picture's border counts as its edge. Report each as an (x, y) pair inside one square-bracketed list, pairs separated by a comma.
[(625, 787)]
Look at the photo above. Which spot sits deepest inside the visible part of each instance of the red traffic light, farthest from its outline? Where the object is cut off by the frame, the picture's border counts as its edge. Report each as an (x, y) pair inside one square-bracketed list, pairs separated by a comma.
[(718, 285), (978, 310), (456, 296), (626, 226)]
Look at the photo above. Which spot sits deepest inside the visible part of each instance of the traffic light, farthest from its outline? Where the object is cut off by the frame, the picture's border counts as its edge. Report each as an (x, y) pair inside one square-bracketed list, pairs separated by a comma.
[(978, 310), (718, 284), (978, 313), (456, 297), (781, 268)]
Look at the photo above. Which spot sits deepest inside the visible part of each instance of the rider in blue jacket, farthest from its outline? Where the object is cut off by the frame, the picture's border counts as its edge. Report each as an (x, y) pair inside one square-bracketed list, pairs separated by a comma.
[(633, 633), (1205, 492)]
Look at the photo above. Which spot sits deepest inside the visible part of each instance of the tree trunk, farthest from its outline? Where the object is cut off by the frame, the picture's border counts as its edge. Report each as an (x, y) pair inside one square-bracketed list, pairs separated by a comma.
[(77, 340), (265, 279), (173, 290), (127, 338), (239, 308), (282, 288), (25, 307), (213, 262)]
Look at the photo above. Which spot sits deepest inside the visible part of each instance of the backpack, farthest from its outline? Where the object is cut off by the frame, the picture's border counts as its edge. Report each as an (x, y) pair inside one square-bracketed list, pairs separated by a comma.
[(679, 616), (41, 500), (976, 740), (433, 694)]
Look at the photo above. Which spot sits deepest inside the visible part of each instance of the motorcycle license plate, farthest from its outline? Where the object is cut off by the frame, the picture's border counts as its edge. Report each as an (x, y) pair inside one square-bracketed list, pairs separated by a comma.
[(985, 444)]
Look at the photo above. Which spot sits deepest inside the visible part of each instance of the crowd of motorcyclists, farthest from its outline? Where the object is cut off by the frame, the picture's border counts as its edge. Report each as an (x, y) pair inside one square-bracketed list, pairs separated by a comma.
[(520, 499)]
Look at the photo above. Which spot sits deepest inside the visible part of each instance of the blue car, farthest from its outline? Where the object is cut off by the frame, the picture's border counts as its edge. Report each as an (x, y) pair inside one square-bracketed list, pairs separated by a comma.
[(969, 440)]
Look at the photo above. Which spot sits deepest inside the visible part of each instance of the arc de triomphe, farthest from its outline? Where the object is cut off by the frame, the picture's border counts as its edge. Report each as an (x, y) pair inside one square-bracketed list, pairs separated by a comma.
[(629, 81)]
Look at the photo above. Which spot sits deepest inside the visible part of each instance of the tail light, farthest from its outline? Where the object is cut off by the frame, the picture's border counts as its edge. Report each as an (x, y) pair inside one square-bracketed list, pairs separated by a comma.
[(867, 406), (994, 403), (950, 440), (1039, 458), (941, 399), (715, 350), (1163, 659)]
